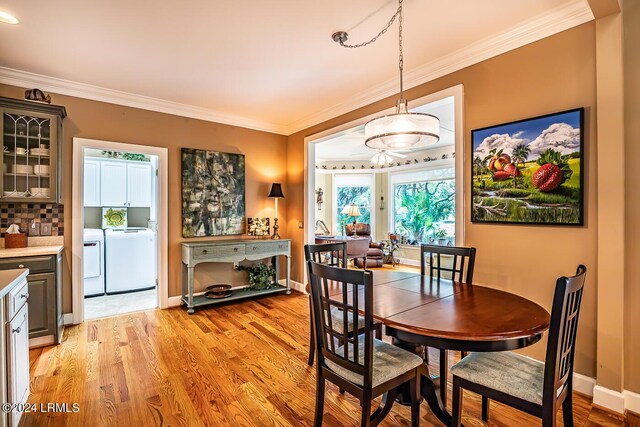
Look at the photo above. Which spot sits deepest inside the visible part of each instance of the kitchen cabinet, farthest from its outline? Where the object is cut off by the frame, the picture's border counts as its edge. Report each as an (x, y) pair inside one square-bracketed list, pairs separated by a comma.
[(120, 182), (91, 190), (14, 343), (138, 184), (31, 139), (113, 183), (45, 295)]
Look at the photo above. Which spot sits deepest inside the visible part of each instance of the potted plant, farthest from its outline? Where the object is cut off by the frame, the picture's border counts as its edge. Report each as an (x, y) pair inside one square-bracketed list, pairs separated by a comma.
[(260, 276), (441, 234)]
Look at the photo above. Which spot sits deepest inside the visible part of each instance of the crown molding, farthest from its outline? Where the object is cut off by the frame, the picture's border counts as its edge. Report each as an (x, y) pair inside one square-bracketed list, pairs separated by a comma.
[(82, 90), (554, 21)]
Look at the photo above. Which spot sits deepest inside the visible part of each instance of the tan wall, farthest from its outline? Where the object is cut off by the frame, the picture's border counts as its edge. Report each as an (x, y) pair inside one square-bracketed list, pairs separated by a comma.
[(550, 75), (631, 18), (266, 162)]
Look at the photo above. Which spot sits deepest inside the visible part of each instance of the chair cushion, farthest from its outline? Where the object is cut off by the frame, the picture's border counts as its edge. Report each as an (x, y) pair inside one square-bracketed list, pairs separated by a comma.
[(507, 372), (389, 362), (337, 323)]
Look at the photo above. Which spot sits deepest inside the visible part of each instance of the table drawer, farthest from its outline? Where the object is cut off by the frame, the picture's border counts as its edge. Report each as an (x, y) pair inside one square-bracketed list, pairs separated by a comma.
[(218, 251), (34, 264), (267, 247), (17, 298)]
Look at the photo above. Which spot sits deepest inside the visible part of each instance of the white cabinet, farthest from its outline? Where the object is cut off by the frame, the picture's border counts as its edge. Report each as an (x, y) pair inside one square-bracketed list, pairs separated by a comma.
[(91, 183), (139, 185), (18, 346), (113, 184), (121, 183)]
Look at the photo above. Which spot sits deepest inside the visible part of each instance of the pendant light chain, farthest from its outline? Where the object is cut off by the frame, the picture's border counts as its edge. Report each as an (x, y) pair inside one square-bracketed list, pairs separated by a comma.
[(401, 59), (343, 39)]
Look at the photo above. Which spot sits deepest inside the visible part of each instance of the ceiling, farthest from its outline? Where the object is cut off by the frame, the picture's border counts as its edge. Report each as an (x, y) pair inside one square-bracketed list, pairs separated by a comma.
[(263, 64), (349, 145)]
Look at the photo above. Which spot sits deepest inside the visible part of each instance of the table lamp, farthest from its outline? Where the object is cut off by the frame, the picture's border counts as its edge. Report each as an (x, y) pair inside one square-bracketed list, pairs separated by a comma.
[(276, 193), (354, 211)]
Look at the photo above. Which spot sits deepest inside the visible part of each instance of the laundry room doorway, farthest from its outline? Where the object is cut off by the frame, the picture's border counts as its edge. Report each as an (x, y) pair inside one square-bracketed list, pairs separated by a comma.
[(119, 230)]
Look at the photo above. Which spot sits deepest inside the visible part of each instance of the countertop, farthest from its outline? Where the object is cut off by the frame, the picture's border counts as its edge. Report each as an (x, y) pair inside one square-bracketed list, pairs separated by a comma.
[(10, 278), (31, 251)]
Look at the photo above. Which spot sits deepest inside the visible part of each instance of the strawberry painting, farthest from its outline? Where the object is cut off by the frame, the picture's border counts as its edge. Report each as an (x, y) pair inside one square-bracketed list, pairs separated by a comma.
[(529, 171)]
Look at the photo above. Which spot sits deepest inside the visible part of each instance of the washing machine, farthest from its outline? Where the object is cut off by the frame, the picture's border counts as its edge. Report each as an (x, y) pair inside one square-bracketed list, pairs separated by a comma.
[(130, 259), (93, 262)]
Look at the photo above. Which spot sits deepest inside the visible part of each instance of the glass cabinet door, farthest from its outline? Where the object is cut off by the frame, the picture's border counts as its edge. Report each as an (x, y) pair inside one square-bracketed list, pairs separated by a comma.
[(29, 156)]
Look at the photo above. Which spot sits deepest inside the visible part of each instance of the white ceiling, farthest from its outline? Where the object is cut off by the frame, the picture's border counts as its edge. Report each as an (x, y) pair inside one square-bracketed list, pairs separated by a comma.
[(264, 64), (349, 145)]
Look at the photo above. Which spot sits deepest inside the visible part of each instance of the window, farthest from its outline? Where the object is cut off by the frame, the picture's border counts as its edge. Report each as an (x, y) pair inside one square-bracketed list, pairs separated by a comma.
[(353, 189), (424, 205)]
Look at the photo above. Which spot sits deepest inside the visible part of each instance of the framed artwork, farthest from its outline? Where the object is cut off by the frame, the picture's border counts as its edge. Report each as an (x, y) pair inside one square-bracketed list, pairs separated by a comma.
[(213, 199), (258, 227), (529, 171), (114, 217)]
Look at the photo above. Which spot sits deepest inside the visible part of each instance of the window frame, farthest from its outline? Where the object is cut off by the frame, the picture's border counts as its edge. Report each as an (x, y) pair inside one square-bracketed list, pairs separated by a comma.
[(372, 190)]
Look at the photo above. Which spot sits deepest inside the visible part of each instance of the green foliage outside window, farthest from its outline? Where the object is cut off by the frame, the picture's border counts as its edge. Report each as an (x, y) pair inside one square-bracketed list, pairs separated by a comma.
[(424, 208), (360, 196)]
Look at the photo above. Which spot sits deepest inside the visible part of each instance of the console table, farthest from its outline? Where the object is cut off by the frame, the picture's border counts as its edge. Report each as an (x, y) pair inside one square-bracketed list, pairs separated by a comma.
[(231, 251)]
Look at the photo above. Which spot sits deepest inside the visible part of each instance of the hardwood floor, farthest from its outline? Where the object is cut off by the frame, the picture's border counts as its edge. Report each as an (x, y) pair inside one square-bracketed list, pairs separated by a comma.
[(234, 365)]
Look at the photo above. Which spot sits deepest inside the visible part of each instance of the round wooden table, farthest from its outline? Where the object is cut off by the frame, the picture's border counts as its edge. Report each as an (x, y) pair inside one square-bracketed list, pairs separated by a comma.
[(420, 311)]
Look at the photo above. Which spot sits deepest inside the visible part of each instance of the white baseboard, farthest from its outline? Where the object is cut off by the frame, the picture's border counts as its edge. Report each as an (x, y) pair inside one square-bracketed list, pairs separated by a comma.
[(631, 401), (609, 399), (583, 384), (408, 261), (67, 319), (295, 286)]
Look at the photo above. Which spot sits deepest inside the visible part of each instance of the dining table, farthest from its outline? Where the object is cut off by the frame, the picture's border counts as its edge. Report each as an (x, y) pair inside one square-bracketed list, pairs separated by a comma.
[(420, 311)]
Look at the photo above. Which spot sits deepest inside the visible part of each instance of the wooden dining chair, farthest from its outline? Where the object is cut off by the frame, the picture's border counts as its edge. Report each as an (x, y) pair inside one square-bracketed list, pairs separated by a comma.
[(463, 262), (528, 385), (363, 366), (332, 254)]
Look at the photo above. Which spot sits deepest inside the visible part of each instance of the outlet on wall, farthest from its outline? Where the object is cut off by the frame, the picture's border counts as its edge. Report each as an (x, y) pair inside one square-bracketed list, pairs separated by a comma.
[(34, 228), (45, 229)]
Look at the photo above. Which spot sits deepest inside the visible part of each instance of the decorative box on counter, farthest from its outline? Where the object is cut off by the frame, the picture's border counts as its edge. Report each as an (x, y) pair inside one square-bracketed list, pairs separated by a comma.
[(15, 240)]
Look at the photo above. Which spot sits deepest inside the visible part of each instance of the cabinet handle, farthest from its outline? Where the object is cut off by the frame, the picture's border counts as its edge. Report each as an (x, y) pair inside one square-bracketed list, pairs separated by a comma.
[(20, 265), (16, 330), (25, 296)]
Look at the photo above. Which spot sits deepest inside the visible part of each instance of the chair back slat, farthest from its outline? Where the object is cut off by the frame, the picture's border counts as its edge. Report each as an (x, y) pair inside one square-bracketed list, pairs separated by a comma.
[(562, 333), (463, 262), (334, 254), (356, 294)]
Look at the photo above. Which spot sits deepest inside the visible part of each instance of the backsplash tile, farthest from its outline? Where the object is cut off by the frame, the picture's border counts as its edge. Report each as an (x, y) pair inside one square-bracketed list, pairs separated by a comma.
[(23, 213)]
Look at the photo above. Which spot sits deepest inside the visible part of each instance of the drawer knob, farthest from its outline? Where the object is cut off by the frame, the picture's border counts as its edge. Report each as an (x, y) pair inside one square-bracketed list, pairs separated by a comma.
[(235, 249), (16, 330), (25, 296), (204, 251), (20, 265), (254, 248)]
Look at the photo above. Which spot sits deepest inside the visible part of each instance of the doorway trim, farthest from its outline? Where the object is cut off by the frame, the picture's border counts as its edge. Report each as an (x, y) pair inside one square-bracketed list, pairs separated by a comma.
[(77, 212), (309, 160)]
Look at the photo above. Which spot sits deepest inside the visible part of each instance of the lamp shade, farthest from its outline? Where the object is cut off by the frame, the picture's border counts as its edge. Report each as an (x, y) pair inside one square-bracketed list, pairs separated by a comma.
[(402, 130), (351, 210), (276, 190)]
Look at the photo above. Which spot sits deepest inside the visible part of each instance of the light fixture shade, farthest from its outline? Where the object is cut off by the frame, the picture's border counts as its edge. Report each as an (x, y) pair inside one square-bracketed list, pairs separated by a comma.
[(402, 130), (276, 190), (380, 159), (351, 210)]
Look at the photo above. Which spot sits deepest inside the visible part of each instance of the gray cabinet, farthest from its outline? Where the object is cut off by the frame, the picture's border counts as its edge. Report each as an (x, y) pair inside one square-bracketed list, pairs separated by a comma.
[(45, 295), (31, 136)]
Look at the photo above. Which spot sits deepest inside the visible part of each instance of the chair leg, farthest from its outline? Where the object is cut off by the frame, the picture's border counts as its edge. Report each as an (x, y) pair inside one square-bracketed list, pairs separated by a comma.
[(485, 408), (456, 405), (317, 420), (366, 413), (443, 377), (567, 410), (414, 388), (312, 341), (463, 354), (378, 330)]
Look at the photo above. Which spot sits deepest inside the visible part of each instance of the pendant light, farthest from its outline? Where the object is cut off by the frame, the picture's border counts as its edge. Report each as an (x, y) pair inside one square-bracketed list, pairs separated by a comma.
[(403, 129)]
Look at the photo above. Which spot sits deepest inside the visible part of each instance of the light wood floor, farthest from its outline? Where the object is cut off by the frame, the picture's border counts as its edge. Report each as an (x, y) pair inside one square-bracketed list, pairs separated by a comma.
[(233, 365)]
